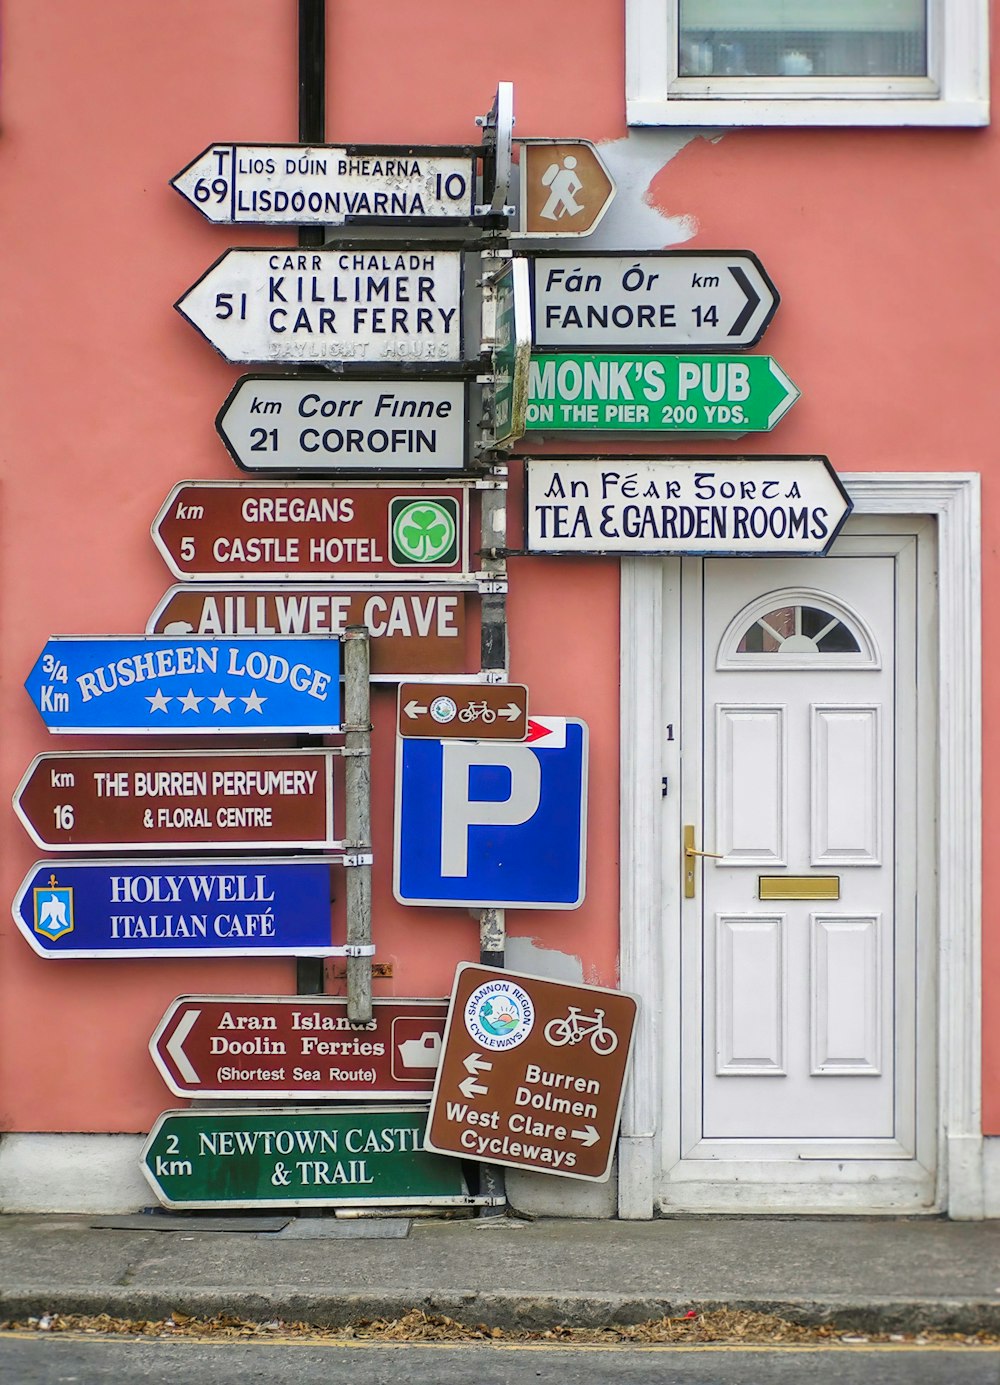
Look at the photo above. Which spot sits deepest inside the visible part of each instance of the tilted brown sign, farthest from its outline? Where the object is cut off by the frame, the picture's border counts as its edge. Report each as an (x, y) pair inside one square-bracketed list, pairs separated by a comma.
[(310, 530), (412, 631), (178, 800), (453, 711), (297, 1047), (532, 1073), (565, 187)]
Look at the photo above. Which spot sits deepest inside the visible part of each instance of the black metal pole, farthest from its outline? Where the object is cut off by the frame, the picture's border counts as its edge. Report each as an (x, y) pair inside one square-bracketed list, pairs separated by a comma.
[(312, 130), (312, 72)]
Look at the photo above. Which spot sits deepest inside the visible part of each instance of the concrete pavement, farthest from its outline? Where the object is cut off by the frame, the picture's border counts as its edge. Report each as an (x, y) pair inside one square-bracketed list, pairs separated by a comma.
[(866, 1274)]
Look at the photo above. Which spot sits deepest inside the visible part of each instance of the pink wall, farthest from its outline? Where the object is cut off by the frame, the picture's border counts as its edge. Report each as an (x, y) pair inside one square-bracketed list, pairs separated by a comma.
[(882, 245), (110, 398)]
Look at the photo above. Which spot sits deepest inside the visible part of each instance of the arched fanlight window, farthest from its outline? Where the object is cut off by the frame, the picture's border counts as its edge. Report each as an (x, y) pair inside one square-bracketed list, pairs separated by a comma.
[(797, 628)]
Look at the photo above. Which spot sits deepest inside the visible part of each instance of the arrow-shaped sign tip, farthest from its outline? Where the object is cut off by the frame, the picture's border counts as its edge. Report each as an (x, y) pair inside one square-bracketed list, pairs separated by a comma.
[(175, 1046)]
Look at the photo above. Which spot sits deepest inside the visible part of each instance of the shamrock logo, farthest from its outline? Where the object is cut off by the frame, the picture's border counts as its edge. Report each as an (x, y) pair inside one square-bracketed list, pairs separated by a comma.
[(424, 531)]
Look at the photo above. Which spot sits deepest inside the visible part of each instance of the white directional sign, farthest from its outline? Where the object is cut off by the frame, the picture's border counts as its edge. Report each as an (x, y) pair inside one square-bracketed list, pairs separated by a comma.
[(325, 185), (301, 306), (498, 130), (666, 300), (733, 506), (334, 424)]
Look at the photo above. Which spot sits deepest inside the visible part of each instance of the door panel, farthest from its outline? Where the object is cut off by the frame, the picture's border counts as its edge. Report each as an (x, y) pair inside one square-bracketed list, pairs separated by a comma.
[(847, 803), (846, 1029), (750, 745), (750, 995)]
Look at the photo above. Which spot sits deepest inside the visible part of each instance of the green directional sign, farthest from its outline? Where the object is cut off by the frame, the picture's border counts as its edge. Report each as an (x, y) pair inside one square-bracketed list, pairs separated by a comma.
[(511, 352), (292, 1157), (657, 394)]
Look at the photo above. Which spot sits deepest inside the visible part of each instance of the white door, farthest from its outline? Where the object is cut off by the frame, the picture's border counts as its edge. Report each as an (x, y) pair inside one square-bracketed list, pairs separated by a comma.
[(800, 975)]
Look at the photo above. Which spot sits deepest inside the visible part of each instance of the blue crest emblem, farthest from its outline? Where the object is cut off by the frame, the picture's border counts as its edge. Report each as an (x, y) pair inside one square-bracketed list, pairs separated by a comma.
[(54, 910)]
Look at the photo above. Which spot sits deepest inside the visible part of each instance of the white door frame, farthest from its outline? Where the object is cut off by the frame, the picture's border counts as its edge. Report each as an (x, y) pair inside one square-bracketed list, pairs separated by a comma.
[(649, 885)]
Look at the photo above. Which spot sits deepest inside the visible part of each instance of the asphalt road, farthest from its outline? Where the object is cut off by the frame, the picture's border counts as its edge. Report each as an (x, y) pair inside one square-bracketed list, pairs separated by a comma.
[(31, 1359)]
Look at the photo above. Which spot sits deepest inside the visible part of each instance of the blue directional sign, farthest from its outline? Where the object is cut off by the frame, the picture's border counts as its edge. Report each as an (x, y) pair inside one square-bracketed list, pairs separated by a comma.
[(144, 908), (138, 685), (492, 824)]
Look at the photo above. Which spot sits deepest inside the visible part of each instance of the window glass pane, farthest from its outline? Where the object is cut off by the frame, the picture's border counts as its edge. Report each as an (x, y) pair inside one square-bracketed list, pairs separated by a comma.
[(803, 38), (798, 630)]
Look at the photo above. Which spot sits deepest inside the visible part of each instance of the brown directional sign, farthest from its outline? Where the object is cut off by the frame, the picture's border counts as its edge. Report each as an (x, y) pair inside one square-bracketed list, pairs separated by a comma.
[(466, 711), (412, 631), (298, 1047), (565, 187), (301, 530), (178, 800), (532, 1073)]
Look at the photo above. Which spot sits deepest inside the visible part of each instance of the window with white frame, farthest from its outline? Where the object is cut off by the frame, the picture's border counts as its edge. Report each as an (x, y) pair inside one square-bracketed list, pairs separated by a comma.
[(807, 62)]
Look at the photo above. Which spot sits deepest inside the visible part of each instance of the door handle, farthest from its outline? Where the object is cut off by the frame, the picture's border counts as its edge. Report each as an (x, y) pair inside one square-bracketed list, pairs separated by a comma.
[(690, 853)]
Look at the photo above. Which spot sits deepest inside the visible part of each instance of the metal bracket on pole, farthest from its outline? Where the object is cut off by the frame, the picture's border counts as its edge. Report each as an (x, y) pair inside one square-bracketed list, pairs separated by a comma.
[(358, 813), (498, 147)]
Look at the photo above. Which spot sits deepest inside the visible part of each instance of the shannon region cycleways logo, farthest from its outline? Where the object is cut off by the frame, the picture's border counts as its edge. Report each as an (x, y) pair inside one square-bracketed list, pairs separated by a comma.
[(499, 1015)]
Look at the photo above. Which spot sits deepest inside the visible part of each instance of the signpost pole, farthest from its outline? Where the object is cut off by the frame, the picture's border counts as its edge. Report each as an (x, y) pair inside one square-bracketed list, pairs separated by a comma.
[(312, 88), (493, 654), (358, 789), (312, 130), (494, 659)]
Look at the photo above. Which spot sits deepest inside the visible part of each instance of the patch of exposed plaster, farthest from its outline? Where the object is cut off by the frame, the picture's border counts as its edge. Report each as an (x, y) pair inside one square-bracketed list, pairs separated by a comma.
[(524, 954), (632, 222)]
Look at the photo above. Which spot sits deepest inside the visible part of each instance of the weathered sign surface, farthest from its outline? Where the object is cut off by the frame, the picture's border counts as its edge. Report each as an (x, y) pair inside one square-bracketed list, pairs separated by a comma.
[(666, 300), (298, 1158), (412, 631), (148, 908), (300, 306), (178, 800), (721, 505), (302, 530), (511, 351), (479, 711), (277, 1047), (317, 424), (532, 1073), (137, 685), (327, 185), (565, 187), (657, 394)]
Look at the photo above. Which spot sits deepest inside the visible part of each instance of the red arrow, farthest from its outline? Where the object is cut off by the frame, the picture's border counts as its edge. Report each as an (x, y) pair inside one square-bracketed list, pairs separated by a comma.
[(541, 728)]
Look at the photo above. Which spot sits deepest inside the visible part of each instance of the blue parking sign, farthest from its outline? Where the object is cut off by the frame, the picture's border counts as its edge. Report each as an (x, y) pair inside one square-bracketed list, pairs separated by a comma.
[(492, 824)]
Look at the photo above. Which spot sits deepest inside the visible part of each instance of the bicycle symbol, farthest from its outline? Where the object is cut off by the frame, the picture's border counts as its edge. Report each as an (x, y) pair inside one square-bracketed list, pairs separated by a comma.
[(576, 1026), (477, 711)]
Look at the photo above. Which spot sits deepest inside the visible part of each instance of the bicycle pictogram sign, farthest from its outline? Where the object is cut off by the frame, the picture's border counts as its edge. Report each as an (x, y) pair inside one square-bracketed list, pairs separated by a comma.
[(532, 1072), (446, 711), (576, 1026)]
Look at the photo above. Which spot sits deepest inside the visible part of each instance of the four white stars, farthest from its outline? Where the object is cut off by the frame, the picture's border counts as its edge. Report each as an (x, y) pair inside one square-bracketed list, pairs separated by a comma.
[(222, 702)]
